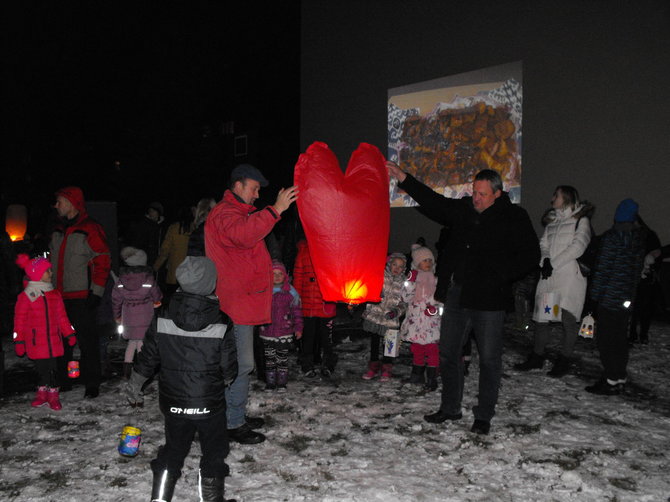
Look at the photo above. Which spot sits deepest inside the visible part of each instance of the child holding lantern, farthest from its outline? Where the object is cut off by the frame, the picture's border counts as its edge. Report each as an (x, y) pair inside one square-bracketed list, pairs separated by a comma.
[(277, 336), (40, 324), (421, 326), (385, 315)]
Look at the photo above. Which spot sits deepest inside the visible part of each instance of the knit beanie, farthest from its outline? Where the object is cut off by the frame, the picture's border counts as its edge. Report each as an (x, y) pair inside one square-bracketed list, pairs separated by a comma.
[(34, 267), (197, 275), (420, 253), (75, 195), (133, 257), (626, 211)]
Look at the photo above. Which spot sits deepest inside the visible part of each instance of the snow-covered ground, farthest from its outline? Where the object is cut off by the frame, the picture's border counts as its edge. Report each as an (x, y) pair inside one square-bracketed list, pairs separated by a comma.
[(353, 440)]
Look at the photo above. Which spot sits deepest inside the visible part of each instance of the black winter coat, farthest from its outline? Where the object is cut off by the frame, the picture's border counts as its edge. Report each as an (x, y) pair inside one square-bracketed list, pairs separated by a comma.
[(485, 252), (196, 360)]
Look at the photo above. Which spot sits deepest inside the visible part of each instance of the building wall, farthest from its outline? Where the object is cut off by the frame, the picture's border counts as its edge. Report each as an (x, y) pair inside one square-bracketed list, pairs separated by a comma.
[(594, 78)]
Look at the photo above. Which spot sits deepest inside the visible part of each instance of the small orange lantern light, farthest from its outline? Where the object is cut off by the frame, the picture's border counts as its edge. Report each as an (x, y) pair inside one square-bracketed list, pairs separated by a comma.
[(16, 221)]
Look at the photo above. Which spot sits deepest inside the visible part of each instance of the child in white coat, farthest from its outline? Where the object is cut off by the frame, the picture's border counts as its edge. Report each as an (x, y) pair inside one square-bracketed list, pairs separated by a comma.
[(421, 326)]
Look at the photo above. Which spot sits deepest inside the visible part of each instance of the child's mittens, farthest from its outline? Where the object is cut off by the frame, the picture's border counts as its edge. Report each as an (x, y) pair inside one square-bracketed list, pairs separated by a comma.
[(71, 340), (20, 349), (412, 275), (430, 310)]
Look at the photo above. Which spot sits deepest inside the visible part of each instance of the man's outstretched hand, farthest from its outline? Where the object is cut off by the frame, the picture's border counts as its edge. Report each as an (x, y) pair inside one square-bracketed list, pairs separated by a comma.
[(285, 198), (395, 172)]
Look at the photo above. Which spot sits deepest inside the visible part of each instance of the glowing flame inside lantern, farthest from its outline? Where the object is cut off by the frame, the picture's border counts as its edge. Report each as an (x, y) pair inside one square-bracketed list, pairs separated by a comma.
[(355, 291), (16, 221)]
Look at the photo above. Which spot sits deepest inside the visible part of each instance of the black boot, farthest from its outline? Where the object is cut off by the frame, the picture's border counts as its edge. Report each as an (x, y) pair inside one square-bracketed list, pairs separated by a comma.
[(211, 489), (561, 367), (163, 486), (534, 361), (127, 370), (417, 375), (431, 379)]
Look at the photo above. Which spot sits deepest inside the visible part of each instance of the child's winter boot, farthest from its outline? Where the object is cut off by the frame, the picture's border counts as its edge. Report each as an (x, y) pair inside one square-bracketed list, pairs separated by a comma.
[(386, 372), (270, 379), (212, 489), (417, 375), (53, 399), (40, 397), (431, 379), (163, 486), (282, 379), (374, 368)]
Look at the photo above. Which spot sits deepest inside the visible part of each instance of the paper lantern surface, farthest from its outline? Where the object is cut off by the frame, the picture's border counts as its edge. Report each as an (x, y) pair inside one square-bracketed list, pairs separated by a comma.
[(346, 220), (16, 221)]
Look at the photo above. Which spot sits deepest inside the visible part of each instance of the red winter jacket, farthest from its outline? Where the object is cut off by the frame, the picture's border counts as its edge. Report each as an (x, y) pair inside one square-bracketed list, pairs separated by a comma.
[(79, 251), (305, 282), (234, 233), (41, 324)]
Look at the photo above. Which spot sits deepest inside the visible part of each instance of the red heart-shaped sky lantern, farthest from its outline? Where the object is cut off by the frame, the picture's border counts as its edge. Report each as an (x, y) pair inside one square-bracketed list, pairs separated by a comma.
[(346, 220)]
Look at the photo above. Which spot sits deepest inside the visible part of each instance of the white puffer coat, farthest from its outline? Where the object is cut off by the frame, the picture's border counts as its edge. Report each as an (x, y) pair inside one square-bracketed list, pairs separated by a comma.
[(564, 240)]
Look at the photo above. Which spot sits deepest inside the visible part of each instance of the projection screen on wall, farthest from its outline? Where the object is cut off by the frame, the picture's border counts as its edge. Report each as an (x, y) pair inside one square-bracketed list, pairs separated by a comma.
[(444, 131)]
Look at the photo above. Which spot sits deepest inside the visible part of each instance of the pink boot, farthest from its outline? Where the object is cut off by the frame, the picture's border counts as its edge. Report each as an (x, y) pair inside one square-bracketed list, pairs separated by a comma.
[(40, 397), (386, 372), (373, 370), (53, 399)]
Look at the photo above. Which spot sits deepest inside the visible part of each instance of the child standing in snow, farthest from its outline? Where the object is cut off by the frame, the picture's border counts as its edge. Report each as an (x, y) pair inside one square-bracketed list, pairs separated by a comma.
[(385, 315), (40, 324), (194, 352), (133, 301), (421, 326), (276, 337)]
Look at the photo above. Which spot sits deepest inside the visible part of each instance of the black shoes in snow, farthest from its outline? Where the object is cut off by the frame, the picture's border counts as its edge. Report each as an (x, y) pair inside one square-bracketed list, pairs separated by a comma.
[(439, 416), (534, 361), (481, 427), (245, 435)]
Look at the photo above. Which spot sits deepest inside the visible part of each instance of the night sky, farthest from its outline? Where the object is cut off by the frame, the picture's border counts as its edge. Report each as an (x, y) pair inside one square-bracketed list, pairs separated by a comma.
[(150, 87)]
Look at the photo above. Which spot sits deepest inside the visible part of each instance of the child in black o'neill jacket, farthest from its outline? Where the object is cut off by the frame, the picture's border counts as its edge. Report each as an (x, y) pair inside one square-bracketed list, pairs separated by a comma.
[(191, 348)]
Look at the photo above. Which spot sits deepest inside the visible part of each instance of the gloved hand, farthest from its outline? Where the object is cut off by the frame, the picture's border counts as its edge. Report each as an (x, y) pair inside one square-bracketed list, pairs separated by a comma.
[(412, 275), (392, 314), (133, 390), (20, 349), (430, 310), (546, 269), (92, 301), (649, 260), (71, 340)]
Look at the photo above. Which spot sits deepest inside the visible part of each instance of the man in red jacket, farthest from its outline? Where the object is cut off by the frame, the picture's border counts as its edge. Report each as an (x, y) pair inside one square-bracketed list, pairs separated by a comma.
[(81, 264), (234, 233)]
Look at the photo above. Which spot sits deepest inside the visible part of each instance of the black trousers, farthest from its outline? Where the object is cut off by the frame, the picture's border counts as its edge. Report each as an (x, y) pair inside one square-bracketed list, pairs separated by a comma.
[(47, 370), (612, 341), (88, 339), (179, 434), (375, 342), (317, 331)]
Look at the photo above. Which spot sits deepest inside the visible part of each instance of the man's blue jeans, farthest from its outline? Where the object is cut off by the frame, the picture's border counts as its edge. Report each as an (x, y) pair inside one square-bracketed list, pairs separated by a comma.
[(238, 392), (487, 327)]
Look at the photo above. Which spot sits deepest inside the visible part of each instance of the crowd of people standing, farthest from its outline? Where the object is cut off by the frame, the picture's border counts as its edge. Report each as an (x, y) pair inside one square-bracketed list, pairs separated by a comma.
[(196, 322)]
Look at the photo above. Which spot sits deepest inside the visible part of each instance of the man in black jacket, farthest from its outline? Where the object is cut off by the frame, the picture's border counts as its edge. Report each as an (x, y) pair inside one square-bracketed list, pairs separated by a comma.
[(191, 347), (492, 244)]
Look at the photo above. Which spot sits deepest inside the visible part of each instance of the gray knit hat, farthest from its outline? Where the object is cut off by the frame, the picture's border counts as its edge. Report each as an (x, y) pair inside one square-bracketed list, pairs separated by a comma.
[(197, 275), (133, 257)]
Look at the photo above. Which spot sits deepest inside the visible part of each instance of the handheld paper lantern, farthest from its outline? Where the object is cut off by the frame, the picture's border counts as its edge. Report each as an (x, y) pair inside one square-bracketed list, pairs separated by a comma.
[(16, 221), (346, 220)]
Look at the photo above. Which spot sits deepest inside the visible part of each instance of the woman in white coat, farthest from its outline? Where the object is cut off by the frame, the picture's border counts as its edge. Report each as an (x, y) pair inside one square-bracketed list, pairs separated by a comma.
[(566, 236)]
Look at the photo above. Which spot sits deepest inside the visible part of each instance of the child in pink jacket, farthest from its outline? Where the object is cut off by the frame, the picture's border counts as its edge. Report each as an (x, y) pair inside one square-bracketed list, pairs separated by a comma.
[(40, 324)]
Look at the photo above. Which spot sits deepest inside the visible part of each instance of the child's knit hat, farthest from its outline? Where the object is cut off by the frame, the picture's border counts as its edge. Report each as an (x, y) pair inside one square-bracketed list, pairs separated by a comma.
[(133, 257), (420, 253), (34, 267)]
